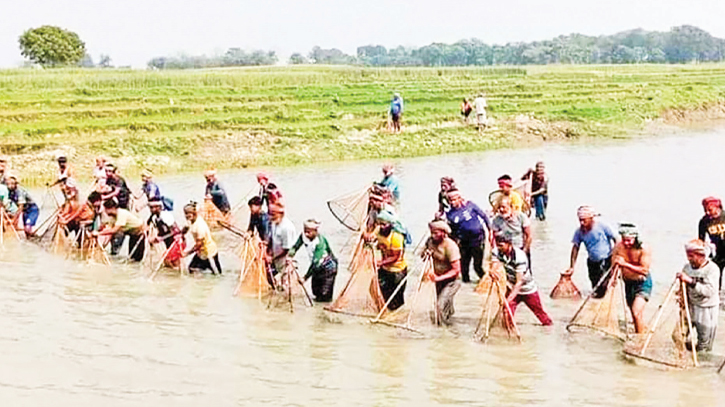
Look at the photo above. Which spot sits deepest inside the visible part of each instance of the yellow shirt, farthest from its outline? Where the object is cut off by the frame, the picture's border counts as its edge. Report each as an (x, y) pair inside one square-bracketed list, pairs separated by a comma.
[(517, 202), (394, 242), (127, 221), (200, 232)]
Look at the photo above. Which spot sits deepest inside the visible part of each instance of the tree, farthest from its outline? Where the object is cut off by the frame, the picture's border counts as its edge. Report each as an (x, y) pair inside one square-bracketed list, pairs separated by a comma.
[(52, 46), (297, 59)]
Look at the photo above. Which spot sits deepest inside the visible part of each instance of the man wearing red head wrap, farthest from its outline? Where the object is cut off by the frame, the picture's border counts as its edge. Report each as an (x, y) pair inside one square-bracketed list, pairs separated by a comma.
[(712, 226)]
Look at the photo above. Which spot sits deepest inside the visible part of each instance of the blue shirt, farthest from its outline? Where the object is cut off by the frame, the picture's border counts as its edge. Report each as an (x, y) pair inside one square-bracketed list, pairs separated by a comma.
[(392, 184), (151, 190), (469, 224), (598, 241)]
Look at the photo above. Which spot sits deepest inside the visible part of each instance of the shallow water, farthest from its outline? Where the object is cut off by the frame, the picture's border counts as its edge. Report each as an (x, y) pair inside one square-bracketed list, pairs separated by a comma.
[(86, 336)]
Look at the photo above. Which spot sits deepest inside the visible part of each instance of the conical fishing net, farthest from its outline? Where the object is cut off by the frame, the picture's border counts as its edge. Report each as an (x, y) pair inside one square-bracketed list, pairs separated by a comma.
[(351, 209), (290, 292), (212, 215), (361, 295), (61, 241), (497, 320), (8, 232), (419, 314), (669, 335), (254, 278), (95, 253), (608, 314), (565, 289)]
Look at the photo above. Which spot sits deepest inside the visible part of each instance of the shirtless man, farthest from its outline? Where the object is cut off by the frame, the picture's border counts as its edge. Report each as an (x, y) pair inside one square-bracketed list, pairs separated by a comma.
[(634, 259)]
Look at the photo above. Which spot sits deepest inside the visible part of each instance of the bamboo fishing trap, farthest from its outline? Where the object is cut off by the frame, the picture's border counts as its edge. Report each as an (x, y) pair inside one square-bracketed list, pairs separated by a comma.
[(351, 209), (361, 295), (565, 289), (497, 318)]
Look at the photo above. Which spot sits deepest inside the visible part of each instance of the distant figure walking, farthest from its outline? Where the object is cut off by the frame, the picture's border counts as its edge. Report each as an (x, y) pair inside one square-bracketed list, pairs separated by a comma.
[(396, 112), (466, 109), (481, 104)]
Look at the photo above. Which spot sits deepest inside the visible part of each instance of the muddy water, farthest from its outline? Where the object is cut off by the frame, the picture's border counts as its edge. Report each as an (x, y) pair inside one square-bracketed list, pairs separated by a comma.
[(78, 335)]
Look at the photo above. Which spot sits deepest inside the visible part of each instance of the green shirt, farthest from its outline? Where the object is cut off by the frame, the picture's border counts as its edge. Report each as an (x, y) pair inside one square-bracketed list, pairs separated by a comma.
[(321, 249)]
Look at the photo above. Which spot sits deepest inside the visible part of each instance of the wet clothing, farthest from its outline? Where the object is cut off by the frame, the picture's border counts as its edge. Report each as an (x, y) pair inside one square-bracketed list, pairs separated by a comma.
[(165, 225), (444, 255), (395, 241), (633, 289), (259, 223), (200, 232), (282, 238), (20, 196), (512, 227), (598, 241), (704, 320), (392, 184), (323, 266), (714, 229), (533, 301), (596, 270), (516, 263), (132, 227), (212, 263), (389, 281), (539, 192), (218, 196), (124, 193), (446, 292)]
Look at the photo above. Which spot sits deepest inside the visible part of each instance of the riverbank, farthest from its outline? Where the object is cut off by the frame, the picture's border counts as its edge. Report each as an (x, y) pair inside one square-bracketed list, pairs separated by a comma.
[(173, 121)]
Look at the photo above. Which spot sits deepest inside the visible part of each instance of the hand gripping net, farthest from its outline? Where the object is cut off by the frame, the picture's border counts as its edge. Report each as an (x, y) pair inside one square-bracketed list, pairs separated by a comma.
[(212, 215), (7, 229), (351, 209), (669, 335), (361, 295), (289, 290), (497, 319), (419, 314), (608, 314)]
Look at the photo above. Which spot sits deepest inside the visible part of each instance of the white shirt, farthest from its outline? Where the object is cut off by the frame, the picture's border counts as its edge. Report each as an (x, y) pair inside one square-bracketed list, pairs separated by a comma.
[(480, 104), (283, 236)]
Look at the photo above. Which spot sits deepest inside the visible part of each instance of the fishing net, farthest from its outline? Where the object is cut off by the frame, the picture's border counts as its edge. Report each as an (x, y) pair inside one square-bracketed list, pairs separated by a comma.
[(212, 215), (497, 320), (524, 189), (565, 289), (254, 278), (608, 314), (94, 253), (669, 335), (351, 209), (61, 241), (419, 314), (361, 295), (8, 231), (290, 291)]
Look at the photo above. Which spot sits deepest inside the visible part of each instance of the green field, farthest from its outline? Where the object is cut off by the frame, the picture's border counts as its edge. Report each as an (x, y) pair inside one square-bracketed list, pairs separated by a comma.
[(187, 120)]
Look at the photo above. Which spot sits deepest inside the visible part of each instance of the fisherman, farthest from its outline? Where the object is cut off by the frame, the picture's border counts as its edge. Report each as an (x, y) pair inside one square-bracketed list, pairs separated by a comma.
[(515, 225), (24, 202), (396, 112), (712, 227), (466, 110), (206, 254), (634, 259), (392, 267), (281, 239), (65, 171), (701, 276), (74, 214), (263, 181), (95, 202), (521, 286), (152, 191), (116, 187), (446, 268), (5, 202), (378, 205), (3, 169), (323, 263), (215, 192), (539, 189), (447, 183), (599, 240), (274, 195), (125, 224), (480, 105), (99, 172), (167, 231), (258, 219), (469, 225), (505, 185), (391, 182)]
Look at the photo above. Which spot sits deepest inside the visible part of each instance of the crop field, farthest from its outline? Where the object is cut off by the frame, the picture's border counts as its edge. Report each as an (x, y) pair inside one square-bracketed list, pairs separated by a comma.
[(186, 120)]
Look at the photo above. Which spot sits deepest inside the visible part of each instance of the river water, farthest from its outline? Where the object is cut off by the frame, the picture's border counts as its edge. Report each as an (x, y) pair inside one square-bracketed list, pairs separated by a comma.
[(79, 335)]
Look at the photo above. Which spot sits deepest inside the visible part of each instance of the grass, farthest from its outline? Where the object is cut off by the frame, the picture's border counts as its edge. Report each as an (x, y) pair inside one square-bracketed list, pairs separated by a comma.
[(186, 120)]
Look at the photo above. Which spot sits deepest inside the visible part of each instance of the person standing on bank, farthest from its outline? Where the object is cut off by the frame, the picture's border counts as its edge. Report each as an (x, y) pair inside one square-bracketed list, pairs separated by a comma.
[(599, 240), (396, 112), (481, 120)]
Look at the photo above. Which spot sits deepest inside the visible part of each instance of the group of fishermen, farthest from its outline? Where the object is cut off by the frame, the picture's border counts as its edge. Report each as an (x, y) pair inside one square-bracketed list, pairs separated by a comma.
[(459, 234)]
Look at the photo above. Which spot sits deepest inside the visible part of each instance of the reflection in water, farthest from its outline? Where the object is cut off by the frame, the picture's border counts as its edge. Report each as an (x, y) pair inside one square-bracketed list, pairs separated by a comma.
[(86, 336)]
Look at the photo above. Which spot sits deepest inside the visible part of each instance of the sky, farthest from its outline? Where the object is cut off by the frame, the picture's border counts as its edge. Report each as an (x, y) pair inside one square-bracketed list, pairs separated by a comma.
[(134, 31)]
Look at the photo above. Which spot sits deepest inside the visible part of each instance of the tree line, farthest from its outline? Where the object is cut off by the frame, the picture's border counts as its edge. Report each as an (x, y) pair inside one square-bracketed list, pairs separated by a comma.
[(53, 46)]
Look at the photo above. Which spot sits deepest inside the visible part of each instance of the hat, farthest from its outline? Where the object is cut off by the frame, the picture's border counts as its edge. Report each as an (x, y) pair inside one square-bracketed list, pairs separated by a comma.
[(262, 175), (190, 207), (146, 173), (211, 172), (454, 194), (586, 212), (696, 246), (711, 200), (61, 157), (628, 230), (505, 180), (155, 201), (12, 175), (110, 166), (388, 167), (447, 180), (385, 216), (440, 225), (313, 224)]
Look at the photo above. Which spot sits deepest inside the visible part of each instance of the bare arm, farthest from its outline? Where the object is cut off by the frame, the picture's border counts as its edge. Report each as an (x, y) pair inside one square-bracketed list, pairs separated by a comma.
[(516, 288), (527, 238), (642, 269), (572, 258), (452, 273)]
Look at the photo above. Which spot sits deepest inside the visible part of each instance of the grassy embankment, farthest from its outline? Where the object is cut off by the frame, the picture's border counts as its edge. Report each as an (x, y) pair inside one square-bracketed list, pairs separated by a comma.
[(176, 120)]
